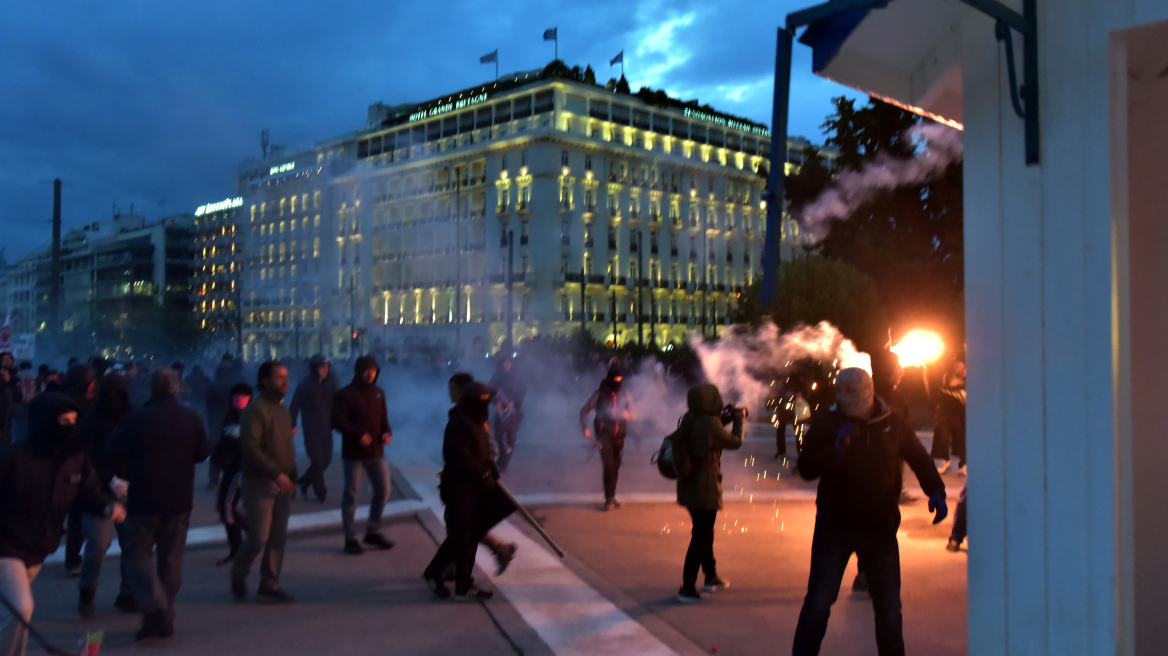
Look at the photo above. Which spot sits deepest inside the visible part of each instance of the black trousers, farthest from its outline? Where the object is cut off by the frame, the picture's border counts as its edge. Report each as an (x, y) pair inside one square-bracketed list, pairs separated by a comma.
[(472, 509), (949, 440), (701, 548), (227, 503), (74, 536), (959, 530), (831, 547), (319, 449), (612, 447)]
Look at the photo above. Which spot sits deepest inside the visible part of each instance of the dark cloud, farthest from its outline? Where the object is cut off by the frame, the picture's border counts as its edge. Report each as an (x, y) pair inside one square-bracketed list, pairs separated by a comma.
[(156, 103)]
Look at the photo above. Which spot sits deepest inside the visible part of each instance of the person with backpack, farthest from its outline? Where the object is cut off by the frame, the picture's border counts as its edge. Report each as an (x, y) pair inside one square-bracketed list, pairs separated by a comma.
[(228, 458), (697, 456), (614, 410)]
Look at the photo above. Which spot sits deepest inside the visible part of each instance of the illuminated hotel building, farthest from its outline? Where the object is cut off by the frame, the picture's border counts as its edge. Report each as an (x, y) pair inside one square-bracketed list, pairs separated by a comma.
[(217, 266), (636, 218)]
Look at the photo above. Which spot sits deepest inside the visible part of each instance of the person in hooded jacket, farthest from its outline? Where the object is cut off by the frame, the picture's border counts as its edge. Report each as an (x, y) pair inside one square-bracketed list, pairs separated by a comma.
[(80, 384), (469, 486), (856, 449), (614, 410), (313, 400), (162, 442), (111, 405), (48, 472), (215, 400), (228, 457), (359, 414), (701, 439)]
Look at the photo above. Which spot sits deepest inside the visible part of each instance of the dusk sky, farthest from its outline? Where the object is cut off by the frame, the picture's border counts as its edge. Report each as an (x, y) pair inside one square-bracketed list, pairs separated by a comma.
[(155, 103)]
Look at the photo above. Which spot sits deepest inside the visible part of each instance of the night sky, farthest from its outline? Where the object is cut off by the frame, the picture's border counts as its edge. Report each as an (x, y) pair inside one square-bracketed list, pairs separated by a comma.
[(155, 103)]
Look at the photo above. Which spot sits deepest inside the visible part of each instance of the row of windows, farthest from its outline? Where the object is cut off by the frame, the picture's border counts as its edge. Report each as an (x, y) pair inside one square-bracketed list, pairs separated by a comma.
[(663, 124), (288, 205)]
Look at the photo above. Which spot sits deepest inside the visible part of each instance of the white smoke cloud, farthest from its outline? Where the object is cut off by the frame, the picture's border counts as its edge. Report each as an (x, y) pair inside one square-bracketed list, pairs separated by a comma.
[(742, 364), (937, 147)]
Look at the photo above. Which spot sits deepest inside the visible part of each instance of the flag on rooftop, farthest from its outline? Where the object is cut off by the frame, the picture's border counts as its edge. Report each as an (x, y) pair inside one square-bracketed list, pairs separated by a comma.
[(619, 59), (550, 34), (492, 56)]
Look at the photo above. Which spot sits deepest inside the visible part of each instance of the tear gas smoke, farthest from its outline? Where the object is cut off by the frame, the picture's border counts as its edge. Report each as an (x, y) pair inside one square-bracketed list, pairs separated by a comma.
[(937, 147), (744, 362)]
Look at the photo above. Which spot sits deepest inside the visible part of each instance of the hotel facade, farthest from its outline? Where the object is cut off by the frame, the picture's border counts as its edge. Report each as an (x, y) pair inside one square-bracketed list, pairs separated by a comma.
[(535, 204)]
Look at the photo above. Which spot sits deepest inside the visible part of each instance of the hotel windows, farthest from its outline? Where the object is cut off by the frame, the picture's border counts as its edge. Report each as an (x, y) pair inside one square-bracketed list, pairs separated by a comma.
[(564, 158), (524, 158), (587, 162)]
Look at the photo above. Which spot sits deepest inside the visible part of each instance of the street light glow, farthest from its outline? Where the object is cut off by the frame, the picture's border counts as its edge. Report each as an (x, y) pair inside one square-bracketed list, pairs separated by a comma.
[(918, 347)]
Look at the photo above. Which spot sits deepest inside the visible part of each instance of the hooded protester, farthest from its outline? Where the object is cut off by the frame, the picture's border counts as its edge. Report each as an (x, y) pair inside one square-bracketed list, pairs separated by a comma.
[(228, 456), (161, 442), (48, 472), (111, 405), (9, 402), (80, 384), (468, 485), (614, 410), (701, 439), (511, 389), (359, 415), (215, 401), (313, 403), (856, 449)]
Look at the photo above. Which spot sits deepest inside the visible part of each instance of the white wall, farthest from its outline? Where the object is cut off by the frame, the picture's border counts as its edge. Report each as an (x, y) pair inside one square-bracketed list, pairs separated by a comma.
[(1042, 412)]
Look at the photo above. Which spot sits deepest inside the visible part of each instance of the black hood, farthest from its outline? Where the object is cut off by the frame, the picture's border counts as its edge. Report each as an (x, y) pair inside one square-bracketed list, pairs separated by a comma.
[(316, 361), (113, 397), (363, 364), (77, 380), (610, 384), (45, 435), (476, 401)]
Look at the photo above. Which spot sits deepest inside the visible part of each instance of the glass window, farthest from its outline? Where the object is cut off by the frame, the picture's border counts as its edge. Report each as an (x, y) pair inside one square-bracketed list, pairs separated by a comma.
[(598, 109), (640, 119), (620, 114), (660, 124), (466, 122), (483, 118), (502, 112), (433, 131), (697, 133), (680, 129), (544, 101), (449, 127), (522, 107), (716, 138)]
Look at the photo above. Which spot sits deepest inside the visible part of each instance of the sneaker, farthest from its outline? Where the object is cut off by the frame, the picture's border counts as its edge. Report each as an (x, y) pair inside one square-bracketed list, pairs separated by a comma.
[(688, 596), (229, 559), (609, 505), (504, 556), (85, 606), (437, 587), (274, 596), (238, 588), (954, 545), (473, 593), (860, 583), (715, 584), (375, 539), (73, 569), (155, 625), (615, 503), (353, 547), (942, 466), (125, 603)]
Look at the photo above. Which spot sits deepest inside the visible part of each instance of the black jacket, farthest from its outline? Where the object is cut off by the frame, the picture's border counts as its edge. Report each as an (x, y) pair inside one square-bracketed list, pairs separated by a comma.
[(359, 408), (94, 429), (162, 441), (466, 444), (313, 400), (40, 478), (860, 486), (227, 454)]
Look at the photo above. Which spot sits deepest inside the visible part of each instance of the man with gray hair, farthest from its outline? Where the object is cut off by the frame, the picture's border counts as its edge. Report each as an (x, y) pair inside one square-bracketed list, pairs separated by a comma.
[(855, 449), (160, 443)]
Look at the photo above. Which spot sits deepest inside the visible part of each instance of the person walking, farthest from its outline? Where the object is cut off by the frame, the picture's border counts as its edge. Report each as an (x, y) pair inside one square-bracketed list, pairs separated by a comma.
[(80, 384), (960, 532), (468, 485), (359, 415), (949, 433), (510, 390), (161, 442), (613, 412), (855, 449), (312, 403), (268, 467), (227, 456), (93, 431), (48, 472), (702, 437), (215, 400)]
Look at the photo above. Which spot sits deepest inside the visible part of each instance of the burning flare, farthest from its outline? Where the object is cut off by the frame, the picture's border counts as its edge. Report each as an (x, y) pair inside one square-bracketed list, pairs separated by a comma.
[(918, 347)]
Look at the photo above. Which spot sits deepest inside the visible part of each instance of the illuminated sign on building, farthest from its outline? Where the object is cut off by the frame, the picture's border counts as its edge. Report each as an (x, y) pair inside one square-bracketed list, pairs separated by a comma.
[(448, 107), (283, 168), (220, 206), (728, 122)]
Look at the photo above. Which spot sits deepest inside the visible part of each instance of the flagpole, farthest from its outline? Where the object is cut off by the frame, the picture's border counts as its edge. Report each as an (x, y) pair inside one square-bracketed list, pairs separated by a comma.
[(496, 67)]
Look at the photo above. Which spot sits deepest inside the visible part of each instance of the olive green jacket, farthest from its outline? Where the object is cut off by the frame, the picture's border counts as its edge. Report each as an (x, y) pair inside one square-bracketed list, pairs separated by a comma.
[(701, 439)]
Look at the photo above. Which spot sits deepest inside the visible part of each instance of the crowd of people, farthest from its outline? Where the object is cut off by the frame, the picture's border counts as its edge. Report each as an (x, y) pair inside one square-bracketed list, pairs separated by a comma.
[(109, 450)]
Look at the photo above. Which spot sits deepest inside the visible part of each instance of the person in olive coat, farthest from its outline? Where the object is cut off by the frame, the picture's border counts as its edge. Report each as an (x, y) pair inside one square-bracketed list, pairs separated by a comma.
[(701, 439)]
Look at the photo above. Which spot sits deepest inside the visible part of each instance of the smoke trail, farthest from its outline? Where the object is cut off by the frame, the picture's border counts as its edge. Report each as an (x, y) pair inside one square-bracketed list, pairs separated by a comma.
[(744, 362), (937, 147)]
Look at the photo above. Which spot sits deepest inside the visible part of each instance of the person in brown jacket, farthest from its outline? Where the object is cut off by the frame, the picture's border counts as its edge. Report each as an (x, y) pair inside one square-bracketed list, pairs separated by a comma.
[(701, 439)]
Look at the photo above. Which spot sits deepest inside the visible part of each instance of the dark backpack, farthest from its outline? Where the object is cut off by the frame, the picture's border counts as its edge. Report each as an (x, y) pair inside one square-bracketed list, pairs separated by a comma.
[(671, 459)]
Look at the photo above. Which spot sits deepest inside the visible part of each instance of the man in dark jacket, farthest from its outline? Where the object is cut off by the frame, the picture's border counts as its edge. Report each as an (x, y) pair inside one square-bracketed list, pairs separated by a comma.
[(215, 400), (856, 450), (47, 472), (80, 383), (314, 400), (269, 481), (614, 410), (359, 414), (511, 389), (162, 442), (469, 488)]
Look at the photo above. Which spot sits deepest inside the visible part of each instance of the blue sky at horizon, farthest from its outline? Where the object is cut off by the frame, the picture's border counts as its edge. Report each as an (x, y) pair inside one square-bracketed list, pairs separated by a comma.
[(155, 105)]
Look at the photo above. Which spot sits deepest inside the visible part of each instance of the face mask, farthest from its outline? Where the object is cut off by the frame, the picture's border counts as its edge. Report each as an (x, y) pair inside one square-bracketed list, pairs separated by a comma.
[(64, 438), (240, 402)]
